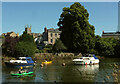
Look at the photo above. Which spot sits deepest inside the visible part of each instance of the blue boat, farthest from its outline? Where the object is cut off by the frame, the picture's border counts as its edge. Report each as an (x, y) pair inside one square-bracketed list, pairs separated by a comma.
[(23, 61)]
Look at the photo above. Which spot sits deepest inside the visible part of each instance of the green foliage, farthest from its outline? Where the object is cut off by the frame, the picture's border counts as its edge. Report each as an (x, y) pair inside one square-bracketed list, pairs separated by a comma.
[(117, 48), (105, 46), (77, 34), (59, 46), (49, 46), (25, 49), (37, 51), (8, 47), (15, 47), (26, 46), (2, 36), (26, 37)]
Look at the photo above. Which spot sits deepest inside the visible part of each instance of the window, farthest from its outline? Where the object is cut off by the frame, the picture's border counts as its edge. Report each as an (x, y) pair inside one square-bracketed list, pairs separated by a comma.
[(51, 34), (55, 34), (51, 40)]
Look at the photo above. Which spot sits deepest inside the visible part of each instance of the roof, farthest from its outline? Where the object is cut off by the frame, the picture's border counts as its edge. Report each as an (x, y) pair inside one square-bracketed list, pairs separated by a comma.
[(53, 30), (10, 32), (111, 33)]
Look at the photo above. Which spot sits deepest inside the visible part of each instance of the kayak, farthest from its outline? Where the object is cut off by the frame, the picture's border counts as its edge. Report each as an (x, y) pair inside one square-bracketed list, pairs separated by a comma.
[(24, 73), (47, 62)]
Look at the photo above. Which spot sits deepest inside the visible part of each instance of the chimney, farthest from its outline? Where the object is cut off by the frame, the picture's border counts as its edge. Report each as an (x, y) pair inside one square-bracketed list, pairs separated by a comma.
[(45, 29), (103, 31)]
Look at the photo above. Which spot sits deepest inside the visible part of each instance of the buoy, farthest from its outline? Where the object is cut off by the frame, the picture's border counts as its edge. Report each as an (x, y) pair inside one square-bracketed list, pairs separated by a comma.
[(41, 65), (63, 64)]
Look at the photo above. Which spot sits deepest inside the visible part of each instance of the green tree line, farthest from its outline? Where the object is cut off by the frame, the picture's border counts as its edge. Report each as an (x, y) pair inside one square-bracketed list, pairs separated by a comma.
[(78, 36), (22, 46)]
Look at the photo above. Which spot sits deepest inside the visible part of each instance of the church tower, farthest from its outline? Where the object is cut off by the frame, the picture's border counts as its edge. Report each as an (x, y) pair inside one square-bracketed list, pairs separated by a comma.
[(28, 29)]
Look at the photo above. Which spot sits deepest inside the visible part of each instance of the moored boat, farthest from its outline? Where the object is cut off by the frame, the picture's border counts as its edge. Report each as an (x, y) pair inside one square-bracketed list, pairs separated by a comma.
[(47, 62), (88, 59), (23, 61), (20, 74)]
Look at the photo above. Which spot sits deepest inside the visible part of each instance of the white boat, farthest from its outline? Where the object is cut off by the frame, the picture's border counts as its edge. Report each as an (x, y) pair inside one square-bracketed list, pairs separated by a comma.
[(23, 61), (89, 59)]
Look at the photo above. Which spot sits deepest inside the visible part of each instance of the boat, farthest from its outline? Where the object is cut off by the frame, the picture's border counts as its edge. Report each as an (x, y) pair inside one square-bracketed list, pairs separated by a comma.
[(47, 62), (23, 61), (88, 59), (21, 74)]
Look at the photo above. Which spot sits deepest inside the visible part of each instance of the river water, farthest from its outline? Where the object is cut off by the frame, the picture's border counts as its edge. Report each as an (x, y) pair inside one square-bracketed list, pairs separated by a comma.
[(70, 73)]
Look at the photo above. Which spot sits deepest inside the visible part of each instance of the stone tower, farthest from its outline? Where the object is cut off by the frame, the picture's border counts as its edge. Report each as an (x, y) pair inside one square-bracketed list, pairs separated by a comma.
[(28, 29)]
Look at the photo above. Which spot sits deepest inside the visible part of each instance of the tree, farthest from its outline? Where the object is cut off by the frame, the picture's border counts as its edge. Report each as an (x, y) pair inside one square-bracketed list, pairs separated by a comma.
[(25, 49), (8, 47), (26, 37), (58, 46), (26, 46), (117, 49), (77, 34), (105, 46)]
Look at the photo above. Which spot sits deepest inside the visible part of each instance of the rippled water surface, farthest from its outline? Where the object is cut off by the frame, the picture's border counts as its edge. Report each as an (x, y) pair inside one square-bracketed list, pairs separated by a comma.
[(70, 73)]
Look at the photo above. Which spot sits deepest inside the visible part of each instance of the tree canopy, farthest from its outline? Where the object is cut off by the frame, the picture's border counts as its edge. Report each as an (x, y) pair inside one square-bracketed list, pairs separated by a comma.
[(15, 47), (8, 47), (26, 37), (26, 46), (105, 46), (25, 49), (58, 46), (77, 34)]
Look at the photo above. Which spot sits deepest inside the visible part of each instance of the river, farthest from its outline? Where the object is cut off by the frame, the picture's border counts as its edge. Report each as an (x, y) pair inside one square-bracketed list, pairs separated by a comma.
[(70, 73)]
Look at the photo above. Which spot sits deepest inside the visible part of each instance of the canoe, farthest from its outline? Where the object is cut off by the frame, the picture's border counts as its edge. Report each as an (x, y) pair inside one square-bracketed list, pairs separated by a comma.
[(47, 62), (25, 73)]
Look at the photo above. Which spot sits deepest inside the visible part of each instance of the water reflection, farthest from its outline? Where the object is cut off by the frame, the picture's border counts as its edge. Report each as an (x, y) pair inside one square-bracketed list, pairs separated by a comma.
[(88, 69), (69, 73), (80, 73)]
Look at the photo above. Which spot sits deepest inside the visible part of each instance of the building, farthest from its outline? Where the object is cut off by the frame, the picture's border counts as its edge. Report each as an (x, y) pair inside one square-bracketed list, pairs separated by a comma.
[(12, 34), (50, 35), (115, 35), (28, 31)]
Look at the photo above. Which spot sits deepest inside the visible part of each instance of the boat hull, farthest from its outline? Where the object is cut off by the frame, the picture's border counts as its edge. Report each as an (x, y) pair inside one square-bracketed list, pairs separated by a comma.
[(87, 62), (18, 64), (81, 62), (17, 74), (48, 62)]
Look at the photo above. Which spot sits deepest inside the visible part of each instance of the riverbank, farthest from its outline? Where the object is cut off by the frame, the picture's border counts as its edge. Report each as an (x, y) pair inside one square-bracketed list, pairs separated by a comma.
[(52, 56)]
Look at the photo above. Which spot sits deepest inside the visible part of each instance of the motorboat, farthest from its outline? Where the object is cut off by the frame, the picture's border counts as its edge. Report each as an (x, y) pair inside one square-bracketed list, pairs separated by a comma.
[(88, 59), (22, 61)]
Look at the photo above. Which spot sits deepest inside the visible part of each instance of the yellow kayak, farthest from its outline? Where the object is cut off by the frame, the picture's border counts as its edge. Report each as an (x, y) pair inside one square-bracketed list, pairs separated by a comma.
[(47, 62)]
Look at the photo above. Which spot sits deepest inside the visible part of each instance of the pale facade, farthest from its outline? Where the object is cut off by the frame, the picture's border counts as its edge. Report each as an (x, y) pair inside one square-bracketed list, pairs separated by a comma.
[(51, 35), (12, 34), (115, 35)]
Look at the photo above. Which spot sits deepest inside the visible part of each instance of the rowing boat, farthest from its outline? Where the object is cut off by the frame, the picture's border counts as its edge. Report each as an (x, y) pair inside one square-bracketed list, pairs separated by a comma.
[(24, 73)]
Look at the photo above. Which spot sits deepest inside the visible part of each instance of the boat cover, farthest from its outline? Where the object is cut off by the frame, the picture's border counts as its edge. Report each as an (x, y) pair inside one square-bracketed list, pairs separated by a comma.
[(95, 57), (29, 60)]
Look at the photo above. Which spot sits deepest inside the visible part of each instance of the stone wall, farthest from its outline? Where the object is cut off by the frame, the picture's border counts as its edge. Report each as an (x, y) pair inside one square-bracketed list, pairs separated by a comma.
[(52, 56)]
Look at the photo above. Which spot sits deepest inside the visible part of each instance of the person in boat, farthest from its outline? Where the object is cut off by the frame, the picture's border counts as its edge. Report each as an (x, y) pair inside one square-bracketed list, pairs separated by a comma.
[(45, 59), (20, 70)]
